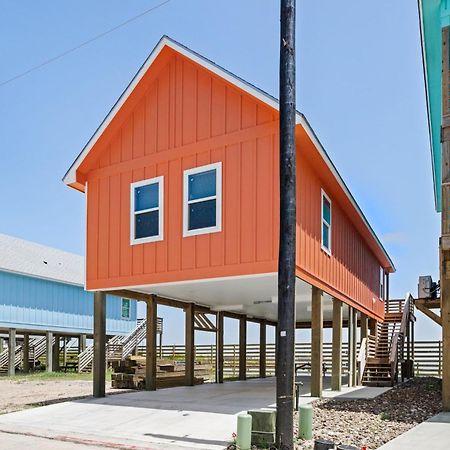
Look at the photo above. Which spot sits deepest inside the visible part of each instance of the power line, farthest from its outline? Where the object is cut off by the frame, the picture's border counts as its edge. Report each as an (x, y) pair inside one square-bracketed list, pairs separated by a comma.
[(83, 44)]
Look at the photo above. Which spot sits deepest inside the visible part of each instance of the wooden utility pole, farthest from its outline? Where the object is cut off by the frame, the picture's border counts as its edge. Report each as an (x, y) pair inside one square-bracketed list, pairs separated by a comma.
[(286, 261)]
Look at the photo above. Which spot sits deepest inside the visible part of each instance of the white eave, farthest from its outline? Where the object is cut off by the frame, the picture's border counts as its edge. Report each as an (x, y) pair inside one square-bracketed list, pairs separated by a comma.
[(70, 177)]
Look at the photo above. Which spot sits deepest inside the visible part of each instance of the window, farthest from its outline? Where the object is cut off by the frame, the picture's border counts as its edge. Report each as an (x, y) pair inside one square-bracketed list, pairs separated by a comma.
[(382, 292), (326, 223), (126, 308), (202, 202), (147, 211)]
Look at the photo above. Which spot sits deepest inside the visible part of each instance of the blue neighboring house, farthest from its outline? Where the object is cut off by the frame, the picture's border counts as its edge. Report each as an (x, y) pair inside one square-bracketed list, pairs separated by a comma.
[(42, 292)]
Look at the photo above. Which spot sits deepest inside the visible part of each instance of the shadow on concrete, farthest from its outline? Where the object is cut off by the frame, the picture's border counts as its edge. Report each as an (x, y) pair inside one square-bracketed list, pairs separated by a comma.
[(176, 439)]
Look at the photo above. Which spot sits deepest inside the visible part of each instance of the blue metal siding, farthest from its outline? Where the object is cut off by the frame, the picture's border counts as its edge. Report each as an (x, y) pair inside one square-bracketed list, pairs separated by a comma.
[(34, 303)]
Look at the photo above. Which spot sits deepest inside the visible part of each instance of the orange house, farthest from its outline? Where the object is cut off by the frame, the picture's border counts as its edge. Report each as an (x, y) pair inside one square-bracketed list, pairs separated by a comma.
[(182, 189)]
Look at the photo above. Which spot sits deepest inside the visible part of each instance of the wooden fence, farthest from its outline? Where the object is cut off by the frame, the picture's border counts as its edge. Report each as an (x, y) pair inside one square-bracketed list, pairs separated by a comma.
[(427, 357)]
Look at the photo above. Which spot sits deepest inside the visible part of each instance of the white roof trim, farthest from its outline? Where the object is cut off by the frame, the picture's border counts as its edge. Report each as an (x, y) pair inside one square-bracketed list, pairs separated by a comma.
[(70, 176)]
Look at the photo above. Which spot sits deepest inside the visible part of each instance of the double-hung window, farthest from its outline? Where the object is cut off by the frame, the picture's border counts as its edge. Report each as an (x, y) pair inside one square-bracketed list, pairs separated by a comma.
[(202, 200), (126, 308), (326, 223), (146, 220)]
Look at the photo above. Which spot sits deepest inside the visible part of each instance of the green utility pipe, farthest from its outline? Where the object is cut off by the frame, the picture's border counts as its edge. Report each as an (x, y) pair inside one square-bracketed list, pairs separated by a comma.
[(244, 432), (305, 418)]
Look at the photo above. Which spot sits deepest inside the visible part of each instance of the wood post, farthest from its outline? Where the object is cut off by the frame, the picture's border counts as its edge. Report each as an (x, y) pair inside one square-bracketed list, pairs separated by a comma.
[(49, 351), (99, 343), (26, 352), (55, 350), (316, 342), (354, 347), (81, 343), (349, 346), (11, 352), (262, 348), (336, 365), (243, 348), (219, 346), (190, 345), (364, 321), (150, 354)]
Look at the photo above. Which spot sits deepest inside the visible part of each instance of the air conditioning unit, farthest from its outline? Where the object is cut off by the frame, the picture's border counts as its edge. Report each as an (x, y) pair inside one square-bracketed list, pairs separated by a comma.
[(427, 287)]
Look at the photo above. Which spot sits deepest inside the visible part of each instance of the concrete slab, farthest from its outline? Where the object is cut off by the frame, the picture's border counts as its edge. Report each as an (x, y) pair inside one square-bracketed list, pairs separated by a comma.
[(198, 417), (433, 434)]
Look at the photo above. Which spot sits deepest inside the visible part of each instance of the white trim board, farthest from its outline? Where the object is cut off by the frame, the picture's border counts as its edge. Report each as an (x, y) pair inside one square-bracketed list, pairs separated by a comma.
[(70, 176)]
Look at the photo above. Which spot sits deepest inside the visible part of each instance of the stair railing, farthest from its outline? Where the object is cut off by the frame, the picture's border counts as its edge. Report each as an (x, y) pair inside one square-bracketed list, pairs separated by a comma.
[(397, 345), (366, 351)]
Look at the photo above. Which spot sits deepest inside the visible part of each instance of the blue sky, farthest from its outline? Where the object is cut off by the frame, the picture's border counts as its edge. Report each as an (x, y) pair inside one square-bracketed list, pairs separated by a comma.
[(359, 82)]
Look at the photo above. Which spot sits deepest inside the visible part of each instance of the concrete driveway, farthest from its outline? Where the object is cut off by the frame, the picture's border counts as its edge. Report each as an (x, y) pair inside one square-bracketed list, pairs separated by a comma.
[(199, 417)]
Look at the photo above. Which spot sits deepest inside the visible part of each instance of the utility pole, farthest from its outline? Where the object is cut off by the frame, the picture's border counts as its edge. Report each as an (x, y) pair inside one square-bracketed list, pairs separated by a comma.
[(286, 261)]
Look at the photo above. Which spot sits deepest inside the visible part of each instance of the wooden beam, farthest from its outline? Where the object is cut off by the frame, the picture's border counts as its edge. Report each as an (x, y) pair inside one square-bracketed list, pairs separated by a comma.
[(364, 324), (26, 352), (49, 351), (99, 363), (431, 314), (190, 345), (336, 362), (242, 348), (262, 349), (316, 342), (219, 347), (11, 352), (150, 354)]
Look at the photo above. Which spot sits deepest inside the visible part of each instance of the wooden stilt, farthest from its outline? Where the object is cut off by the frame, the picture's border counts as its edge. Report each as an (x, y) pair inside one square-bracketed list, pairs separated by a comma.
[(364, 321), (49, 351), (349, 346), (316, 342), (336, 369), (262, 348), (55, 350), (99, 364), (243, 348), (150, 355), (190, 345), (26, 352), (82, 343), (11, 352), (219, 347), (354, 347)]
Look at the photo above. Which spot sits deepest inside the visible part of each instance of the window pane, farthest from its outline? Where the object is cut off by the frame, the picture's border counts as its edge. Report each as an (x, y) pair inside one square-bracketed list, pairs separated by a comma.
[(202, 215), (125, 308), (325, 236), (146, 197), (202, 185), (326, 212), (146, 225)]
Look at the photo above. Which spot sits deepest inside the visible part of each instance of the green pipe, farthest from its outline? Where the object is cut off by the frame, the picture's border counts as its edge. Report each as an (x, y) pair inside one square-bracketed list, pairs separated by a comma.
[(305, 418), (244, 432)]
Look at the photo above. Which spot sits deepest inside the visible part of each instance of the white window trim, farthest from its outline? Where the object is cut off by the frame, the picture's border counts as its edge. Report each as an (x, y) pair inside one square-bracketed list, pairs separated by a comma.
[(382, 288), (322, 221), (160, 208), (218, 197)]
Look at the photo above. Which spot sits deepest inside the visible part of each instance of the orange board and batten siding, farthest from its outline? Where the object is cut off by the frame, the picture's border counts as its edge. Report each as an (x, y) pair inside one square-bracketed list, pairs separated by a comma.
[(180, 116)]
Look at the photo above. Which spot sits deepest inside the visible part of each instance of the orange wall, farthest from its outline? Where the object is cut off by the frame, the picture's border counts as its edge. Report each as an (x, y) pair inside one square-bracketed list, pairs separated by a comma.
[(181, 116)]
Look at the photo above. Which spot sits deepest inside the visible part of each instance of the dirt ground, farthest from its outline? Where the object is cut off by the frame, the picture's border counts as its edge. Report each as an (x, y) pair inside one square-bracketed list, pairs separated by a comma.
[(27, 392)]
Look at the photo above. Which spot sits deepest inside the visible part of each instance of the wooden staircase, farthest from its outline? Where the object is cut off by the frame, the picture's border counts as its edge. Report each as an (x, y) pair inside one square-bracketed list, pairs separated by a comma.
[(380, 355)]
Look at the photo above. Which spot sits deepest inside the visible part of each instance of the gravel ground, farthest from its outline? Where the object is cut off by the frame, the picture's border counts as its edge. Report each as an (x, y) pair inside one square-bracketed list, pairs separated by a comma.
[(372, 423), (22, 394)]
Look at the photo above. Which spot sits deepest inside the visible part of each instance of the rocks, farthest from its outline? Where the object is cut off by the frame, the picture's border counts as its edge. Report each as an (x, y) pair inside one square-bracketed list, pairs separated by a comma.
[(374, 422)]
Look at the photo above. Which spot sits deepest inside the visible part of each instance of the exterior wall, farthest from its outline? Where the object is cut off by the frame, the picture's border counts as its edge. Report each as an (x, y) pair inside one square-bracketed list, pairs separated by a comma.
[(186, 117), (34, 303), (351, 272), (182, 116)]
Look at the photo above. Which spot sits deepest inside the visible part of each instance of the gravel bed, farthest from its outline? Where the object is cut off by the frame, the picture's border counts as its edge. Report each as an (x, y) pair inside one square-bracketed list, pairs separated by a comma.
[(372, 423)]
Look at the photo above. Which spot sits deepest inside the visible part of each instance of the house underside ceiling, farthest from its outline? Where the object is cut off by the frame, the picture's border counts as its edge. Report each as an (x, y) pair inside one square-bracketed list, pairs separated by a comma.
[(256, 296)]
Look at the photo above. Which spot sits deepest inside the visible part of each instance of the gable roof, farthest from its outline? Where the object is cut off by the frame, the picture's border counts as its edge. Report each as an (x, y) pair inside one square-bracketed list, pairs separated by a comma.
[(36, 260), (70, 176)]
